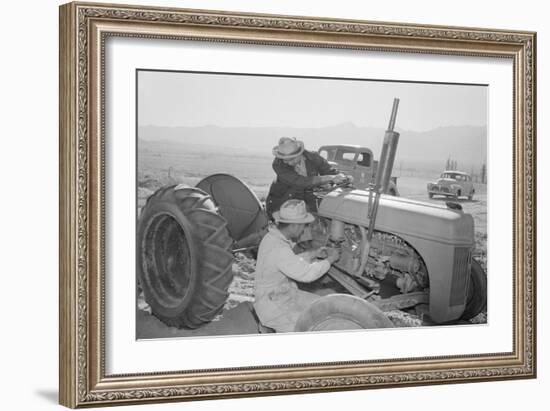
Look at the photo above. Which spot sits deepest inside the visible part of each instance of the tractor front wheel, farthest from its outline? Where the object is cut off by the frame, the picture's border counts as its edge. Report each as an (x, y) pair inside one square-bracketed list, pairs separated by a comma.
[(476, 298)]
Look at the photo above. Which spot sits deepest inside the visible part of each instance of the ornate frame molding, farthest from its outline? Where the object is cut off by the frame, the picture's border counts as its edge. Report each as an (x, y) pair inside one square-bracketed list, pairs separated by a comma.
[(83, 30)]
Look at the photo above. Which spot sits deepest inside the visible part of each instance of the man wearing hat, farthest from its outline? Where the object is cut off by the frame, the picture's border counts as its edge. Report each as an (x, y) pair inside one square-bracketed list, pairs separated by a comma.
[(278, 301), (298, 172)]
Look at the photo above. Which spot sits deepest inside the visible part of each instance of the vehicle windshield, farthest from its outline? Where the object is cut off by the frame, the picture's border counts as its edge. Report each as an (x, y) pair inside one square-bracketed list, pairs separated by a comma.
[(454, 176)]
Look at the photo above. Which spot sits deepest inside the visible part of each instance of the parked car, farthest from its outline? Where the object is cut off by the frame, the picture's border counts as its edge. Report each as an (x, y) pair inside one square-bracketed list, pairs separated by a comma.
[(453, 184)]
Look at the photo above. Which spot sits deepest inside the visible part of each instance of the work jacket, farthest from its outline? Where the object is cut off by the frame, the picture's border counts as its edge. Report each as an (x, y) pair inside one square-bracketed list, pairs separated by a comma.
[(289, 184), (278, 301)]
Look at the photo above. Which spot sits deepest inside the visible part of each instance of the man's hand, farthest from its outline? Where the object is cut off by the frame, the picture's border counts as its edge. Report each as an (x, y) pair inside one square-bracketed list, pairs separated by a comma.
[(339, 178), (342, 178), (332, 255), (326, 179), (335, 179), (328, 253), (320, 253)]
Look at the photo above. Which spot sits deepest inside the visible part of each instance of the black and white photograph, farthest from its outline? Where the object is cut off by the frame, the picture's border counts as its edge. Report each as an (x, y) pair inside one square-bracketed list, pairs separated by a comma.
[(270, 204)]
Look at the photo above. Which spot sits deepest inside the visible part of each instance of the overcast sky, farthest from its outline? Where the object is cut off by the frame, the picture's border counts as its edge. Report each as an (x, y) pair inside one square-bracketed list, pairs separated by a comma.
[(195, 99)]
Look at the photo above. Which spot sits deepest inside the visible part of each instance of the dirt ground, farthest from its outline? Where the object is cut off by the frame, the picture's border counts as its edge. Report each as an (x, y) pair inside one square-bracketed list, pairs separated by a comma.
[(237, 317)]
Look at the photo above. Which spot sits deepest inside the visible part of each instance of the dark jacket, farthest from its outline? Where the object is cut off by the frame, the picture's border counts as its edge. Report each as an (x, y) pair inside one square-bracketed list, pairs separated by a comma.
[(289, 184)]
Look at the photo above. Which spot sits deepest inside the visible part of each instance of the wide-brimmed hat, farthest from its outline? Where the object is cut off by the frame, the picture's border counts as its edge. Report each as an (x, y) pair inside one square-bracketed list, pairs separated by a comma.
[(293, 212), (288, 148)]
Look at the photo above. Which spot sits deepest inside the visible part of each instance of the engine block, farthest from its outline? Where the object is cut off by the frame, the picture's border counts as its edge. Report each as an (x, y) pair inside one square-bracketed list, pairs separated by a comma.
[(390, 257)]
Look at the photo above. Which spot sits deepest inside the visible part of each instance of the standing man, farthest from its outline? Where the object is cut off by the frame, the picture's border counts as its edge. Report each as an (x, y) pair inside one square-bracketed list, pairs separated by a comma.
[(278, 301), (298, 172)]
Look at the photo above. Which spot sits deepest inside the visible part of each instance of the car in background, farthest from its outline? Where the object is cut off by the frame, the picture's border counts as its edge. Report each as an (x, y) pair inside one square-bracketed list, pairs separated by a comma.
[(453, 184), (357, 161)]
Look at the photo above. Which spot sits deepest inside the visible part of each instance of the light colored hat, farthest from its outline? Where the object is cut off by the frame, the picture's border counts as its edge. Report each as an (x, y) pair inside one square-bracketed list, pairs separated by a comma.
[(293, 212), (288, 148)]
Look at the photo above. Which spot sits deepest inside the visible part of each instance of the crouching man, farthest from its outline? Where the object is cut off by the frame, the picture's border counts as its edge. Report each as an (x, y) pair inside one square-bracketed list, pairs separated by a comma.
[(279, 302)]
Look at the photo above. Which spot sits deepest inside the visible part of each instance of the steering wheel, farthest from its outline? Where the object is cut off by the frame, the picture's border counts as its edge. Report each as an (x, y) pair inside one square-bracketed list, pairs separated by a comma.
[(324, 189)]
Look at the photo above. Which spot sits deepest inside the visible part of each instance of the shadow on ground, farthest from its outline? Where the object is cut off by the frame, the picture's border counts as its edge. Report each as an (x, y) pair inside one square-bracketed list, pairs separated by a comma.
[(50, 395), (235, 321)]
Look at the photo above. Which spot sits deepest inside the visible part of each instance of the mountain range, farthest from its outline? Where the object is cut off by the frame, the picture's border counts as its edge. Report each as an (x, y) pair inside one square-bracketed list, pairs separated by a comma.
[(465, 144)]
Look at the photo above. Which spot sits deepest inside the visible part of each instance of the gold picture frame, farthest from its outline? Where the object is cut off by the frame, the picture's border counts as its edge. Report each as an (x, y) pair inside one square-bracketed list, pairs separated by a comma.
[(84, 27)]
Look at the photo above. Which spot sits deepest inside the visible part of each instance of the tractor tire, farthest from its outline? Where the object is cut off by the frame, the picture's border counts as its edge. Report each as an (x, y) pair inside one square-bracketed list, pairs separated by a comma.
[(341, 312), (476, 298), (184, 263)]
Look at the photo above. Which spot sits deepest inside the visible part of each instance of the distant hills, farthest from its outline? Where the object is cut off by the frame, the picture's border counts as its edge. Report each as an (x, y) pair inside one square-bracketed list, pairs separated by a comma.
[(465, 144)]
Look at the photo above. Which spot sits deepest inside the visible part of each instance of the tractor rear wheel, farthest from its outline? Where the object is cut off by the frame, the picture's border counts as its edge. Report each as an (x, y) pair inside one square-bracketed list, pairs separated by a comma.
[(476, 298), (183, 255), (341, 312)]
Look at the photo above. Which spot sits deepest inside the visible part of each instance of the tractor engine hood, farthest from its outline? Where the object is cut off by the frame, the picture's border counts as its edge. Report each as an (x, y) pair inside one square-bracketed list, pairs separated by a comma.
[(401, 216)]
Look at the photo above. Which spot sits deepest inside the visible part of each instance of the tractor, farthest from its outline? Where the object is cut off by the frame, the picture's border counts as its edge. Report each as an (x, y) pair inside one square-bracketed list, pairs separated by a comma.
[(395, 253)]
